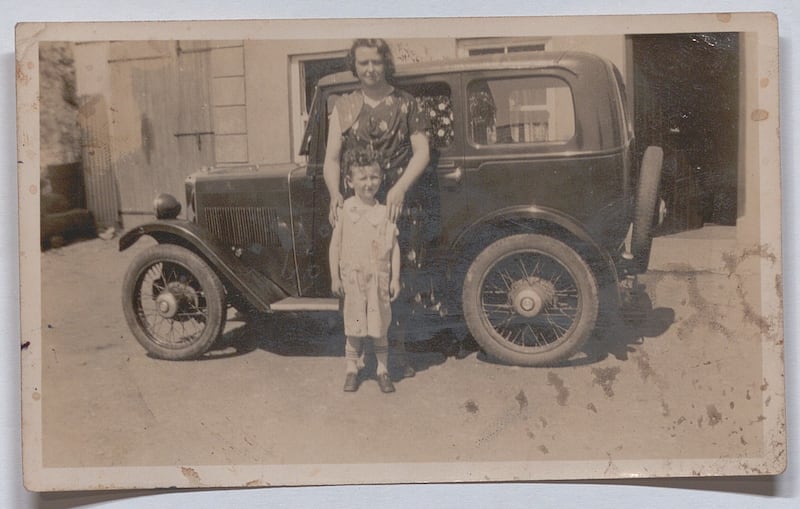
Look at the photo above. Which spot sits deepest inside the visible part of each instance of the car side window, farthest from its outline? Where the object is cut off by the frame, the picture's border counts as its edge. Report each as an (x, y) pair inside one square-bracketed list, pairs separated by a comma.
[(526, 110), (434, 101)]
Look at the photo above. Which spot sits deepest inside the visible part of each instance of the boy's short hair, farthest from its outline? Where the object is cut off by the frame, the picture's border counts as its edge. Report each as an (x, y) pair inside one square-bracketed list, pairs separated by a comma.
[(361, 155)]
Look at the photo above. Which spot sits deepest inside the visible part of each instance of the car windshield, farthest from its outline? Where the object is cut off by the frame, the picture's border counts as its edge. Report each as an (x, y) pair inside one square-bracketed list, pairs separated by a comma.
[(313, 119)]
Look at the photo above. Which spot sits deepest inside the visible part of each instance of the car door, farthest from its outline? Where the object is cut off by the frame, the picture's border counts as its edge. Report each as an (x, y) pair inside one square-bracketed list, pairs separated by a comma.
[(524, 146), (311, 202), (440, 99)]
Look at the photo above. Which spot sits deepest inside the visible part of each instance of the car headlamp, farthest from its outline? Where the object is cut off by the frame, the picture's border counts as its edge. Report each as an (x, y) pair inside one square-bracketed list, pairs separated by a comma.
[(167, 206)]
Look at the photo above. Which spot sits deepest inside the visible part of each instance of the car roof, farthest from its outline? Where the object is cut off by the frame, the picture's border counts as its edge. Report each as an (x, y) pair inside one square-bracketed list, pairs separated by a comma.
[(573, 61)]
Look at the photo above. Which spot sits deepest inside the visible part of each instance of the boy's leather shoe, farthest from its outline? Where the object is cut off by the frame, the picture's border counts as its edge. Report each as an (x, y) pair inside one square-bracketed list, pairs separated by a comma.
[(385, 383), (351, 382)]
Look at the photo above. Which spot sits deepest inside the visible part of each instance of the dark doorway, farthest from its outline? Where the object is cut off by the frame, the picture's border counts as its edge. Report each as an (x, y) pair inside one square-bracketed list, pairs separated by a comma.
[(686, 99)]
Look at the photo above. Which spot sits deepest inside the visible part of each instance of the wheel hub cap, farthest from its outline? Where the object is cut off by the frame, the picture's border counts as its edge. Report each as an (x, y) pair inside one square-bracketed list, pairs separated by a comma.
[(167, 304), (531, 296), (176, 298)]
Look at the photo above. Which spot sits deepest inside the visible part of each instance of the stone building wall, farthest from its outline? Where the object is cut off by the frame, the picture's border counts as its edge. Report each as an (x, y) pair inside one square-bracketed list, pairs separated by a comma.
[(60, 135)]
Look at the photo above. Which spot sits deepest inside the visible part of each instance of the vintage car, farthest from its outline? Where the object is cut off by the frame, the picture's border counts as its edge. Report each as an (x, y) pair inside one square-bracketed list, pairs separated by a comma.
[(539, 221)]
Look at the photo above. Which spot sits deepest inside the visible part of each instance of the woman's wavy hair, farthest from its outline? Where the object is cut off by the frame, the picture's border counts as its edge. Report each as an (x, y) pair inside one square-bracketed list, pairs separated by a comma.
[(383, 50)]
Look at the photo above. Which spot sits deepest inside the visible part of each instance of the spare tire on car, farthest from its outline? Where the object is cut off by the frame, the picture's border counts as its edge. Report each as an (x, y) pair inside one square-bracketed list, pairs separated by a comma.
[(646, 207)]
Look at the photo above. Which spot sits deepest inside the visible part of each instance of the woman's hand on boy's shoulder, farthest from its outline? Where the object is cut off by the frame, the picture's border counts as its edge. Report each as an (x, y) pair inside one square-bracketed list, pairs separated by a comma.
[(394, 202), (394, 289), (337, 203), (336, 287)]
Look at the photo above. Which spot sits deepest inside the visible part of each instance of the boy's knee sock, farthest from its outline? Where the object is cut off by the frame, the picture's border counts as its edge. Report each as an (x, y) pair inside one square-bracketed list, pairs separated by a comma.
[(352, 353), (381, 354)]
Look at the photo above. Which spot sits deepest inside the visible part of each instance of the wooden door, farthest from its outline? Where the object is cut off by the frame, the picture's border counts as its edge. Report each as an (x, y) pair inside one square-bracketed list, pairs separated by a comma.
[(162, 124)]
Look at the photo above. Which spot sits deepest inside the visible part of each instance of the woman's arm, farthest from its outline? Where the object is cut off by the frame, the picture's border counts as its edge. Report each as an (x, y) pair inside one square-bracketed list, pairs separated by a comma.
[(416, 166), (331, 170), (394, 282), (333, 258)]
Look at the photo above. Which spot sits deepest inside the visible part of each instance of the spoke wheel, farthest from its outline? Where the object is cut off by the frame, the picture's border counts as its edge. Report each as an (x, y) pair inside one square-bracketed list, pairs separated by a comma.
[(173, 302), (530, 300)]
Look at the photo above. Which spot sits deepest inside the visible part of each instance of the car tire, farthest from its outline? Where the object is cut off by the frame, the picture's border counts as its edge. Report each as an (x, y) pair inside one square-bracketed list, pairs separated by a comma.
[(645, 211), (173, 302), (530, 300)]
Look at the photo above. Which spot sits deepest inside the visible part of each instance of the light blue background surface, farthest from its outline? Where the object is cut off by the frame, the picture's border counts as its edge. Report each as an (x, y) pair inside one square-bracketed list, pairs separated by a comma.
[(779, 492)]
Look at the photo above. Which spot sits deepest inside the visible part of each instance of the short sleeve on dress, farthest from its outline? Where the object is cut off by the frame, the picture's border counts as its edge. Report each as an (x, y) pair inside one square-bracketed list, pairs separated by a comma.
[(347, 108)]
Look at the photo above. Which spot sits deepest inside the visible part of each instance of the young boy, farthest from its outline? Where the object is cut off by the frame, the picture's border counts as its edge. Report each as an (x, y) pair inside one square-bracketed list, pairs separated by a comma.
[(364, 263)]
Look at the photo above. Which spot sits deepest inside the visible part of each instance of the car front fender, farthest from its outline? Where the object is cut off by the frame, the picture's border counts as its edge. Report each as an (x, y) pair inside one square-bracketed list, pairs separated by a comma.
[(259, 290)]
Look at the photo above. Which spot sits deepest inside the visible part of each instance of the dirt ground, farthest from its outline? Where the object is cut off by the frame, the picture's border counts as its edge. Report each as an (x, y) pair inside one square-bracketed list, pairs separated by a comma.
[(685, 383)]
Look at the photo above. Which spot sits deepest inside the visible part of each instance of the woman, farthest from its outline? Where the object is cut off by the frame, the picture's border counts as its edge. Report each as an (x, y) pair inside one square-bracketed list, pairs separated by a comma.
[(389, 120)]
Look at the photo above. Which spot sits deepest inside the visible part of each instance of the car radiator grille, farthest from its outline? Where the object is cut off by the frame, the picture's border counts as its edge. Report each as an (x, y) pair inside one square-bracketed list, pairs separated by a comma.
[(243, 226)]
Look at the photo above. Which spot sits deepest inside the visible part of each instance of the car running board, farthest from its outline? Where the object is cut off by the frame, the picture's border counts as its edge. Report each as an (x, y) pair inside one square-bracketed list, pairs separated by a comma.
[(305, 304)]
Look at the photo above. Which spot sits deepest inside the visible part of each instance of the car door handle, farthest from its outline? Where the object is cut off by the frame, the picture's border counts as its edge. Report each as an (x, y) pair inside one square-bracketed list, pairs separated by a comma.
[(452, 177)]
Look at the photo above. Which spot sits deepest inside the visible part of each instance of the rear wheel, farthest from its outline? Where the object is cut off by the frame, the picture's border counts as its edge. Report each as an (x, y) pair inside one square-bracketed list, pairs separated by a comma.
[(530, 300), (173, 302)]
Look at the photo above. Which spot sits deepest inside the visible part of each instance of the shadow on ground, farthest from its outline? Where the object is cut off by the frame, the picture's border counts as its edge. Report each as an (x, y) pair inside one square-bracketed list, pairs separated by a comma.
[(621, 334), (617, 334), (315, 335), (320, 335)]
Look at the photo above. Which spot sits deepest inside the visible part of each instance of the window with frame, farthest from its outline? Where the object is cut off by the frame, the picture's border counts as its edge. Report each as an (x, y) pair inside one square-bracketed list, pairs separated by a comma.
[(305, 73), (504, 50), (525, 110), (312, 70), (474, 47)]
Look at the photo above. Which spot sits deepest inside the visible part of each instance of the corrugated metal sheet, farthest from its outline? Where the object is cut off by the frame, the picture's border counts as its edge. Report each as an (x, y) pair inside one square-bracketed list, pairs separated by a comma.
[(101, 190)]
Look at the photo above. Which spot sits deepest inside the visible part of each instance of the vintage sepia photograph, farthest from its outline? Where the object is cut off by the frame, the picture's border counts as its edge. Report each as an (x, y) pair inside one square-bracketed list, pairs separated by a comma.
[(309, 252)]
